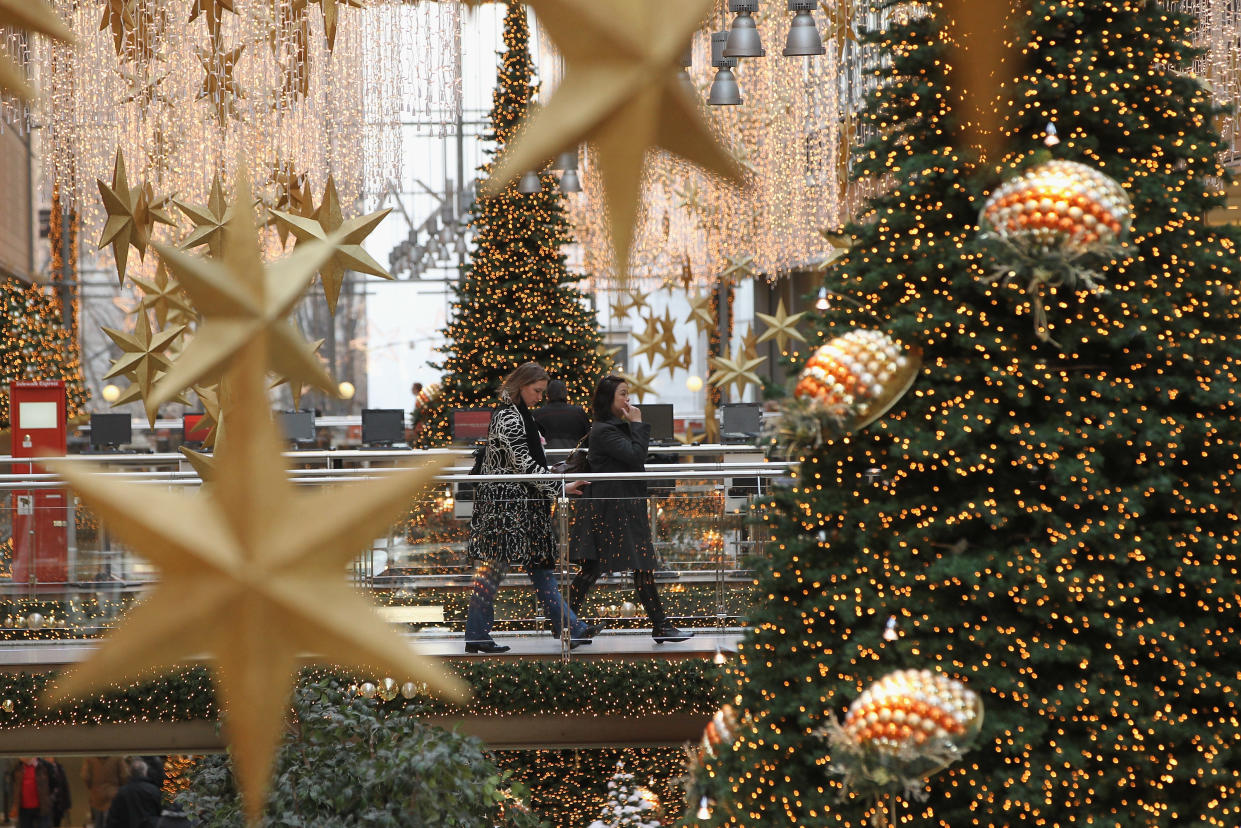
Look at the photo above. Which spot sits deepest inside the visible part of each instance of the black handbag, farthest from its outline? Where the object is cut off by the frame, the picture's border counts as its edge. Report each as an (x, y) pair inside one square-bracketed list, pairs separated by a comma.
[(578, 461)]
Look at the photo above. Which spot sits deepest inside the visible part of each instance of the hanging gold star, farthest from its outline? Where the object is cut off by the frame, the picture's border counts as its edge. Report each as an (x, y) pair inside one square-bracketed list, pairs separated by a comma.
[(145, 91), (209, 401), (676, 358), (607, 354), (132, 215), (347, 253), (737, 372), (838, 244), (739, 267), (640, 384), (220, 88), (241, 301), (702, 312), (331, 11), (782, 326), (135, 29), (839, 14), (212, 12), (650, 340), (210, 220), (621, 92), (142, 360), (293, 195), (622, 305), (204, 464), (33, 16), (252, 577), (162, 294), (749, 343), (297, 389)]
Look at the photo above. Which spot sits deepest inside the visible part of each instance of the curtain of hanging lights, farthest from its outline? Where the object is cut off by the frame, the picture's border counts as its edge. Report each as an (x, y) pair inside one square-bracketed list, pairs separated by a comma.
[(184, 104), (1219, 35)]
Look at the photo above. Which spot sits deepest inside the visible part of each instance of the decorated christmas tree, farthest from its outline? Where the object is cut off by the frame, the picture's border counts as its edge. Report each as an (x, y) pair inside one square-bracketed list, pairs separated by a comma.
[(1050, 515), (628, 805), (517, 302), (35, 344)]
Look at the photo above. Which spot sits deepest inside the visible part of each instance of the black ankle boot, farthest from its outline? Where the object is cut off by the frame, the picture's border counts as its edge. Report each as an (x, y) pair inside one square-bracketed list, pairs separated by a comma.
[(486, 647), (665, 632)]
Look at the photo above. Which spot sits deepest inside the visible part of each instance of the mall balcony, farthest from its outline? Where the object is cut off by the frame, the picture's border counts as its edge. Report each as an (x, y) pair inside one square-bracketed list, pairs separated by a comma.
[(66, 581)]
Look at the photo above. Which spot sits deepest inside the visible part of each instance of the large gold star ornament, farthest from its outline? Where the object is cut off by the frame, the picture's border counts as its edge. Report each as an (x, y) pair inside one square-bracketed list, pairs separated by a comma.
[(621, 92), (347, 252), (241, 301), (781, 326), (132, 212), (252, 576), (210, 220), (33, 16)]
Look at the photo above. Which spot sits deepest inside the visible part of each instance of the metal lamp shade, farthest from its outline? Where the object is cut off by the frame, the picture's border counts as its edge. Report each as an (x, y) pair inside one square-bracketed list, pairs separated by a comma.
[(570, 183), (803, 37), (724, 89), (743, 40), (566, 160), (529, 184)]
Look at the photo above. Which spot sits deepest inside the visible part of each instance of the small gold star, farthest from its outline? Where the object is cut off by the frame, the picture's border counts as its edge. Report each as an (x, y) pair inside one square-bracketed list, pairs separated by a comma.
[(347, 253), (163, 296), (739, 268), (675, 358), (297, 389), (220, 87), (702, 312), (142, 360), (640, 384), (782, 326), (210, 220), (132, 215), (737, 372), (213, 12)]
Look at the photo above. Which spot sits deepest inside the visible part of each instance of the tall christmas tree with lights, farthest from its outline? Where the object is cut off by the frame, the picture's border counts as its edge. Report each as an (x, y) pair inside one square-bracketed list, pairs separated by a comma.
[(1050, 515), (35, 345), (518, 302)]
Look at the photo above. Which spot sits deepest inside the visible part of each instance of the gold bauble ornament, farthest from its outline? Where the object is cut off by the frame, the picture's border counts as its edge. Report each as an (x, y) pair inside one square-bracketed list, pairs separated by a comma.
[(388, 688)]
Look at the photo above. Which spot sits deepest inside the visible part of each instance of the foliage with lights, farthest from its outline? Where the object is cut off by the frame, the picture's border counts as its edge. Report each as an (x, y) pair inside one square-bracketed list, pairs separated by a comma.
[(629, 805), (36, 346), (394, 771), (1050, 519), (517, 302)]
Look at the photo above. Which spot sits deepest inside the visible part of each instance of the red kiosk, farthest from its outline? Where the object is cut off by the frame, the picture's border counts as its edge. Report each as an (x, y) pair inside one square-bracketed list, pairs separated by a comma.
[(40, 516)]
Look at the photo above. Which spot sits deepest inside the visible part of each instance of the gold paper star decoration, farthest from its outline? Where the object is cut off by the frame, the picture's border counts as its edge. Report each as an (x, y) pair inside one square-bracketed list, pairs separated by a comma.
[(736, 372), (293, 195), (241, 301), (652, 340), (621, 92), (640, 384), (676, 358), (749, 343), (702, 312), (145, 91), (739, 268), (297, 389), (252, 576), (212, 12), (209, 401), (839, 244), (210, 220), (135, 29), (163, 296), (220, 88), (347, 252), (782, 326), (608, 354), (132, 216), (839, 14), (203, 464), (331, 13), (32, 16), (143, 359)]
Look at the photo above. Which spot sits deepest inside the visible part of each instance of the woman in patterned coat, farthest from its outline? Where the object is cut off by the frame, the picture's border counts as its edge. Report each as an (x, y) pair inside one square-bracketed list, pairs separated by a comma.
[(512, 523)]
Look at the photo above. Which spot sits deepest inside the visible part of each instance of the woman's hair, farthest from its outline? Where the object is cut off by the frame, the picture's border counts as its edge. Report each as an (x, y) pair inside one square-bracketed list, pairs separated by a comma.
[(522, 376), (605, 393), (556, 391)]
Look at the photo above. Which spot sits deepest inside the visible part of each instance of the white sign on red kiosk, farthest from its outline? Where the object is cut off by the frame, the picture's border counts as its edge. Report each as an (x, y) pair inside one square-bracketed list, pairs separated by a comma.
[(40, 516)]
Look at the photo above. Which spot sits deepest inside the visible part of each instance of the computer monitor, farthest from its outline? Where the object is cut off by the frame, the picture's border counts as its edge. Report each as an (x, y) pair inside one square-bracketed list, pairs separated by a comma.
[(469, 425), (193, 429), (660, 418), (741, 420), (383, 426), (297, 426), (110, 430)]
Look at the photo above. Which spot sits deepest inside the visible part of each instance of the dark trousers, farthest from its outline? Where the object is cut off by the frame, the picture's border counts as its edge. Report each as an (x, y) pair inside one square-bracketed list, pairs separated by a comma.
[(643, 584), (31, 818)]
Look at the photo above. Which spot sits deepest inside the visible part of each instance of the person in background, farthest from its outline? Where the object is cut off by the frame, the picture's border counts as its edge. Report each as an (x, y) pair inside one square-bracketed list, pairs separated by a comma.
[(612, 527), (563, 425), (59, 784), (103, 776), (32, 793), (137, 801), (512, 522)]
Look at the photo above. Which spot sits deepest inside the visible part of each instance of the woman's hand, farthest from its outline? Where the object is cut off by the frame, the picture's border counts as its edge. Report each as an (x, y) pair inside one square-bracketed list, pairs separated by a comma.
[(575, 488), (633, 414)]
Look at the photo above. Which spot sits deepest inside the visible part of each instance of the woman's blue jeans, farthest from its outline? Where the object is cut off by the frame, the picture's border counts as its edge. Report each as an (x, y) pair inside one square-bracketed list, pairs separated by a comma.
[(487, 580)]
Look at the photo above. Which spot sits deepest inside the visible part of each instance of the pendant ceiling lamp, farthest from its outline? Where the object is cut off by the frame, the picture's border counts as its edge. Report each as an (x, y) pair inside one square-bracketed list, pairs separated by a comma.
[(724, 89), (743, 40), (804, 36)]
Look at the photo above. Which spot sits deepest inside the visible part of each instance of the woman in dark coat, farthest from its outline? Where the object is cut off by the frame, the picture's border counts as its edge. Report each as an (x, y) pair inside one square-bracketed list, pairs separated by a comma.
[(612, 530), (512, 523)]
